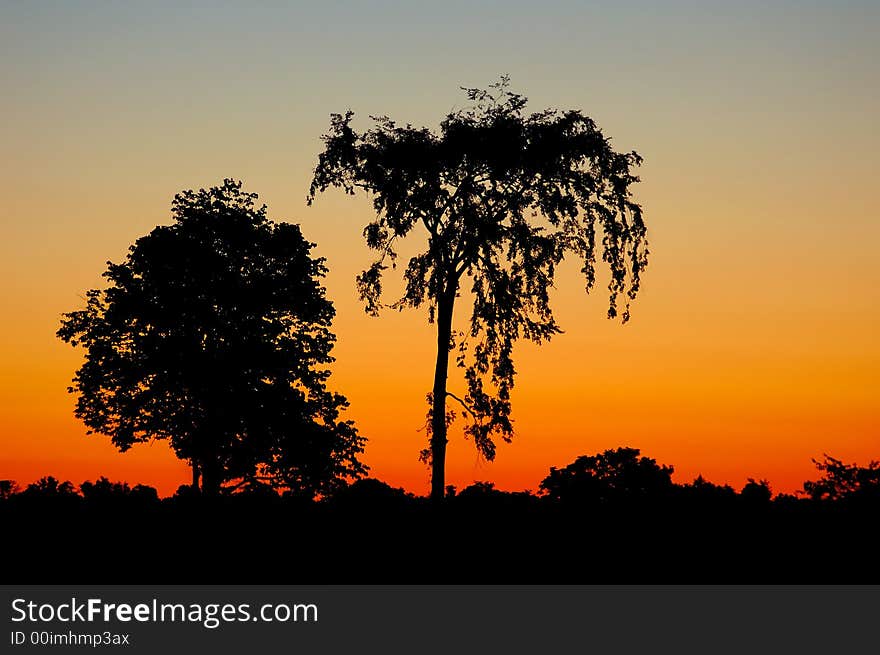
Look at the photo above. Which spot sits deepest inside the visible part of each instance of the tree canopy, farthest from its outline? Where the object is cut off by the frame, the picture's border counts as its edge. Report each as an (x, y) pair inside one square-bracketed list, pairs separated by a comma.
[(501, 197), (613, 475), (842, 480), (214, 334)]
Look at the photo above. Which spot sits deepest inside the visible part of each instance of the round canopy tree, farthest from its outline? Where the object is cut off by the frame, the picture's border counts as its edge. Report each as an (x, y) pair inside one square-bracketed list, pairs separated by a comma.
[(618, 475), (501, 196), (214, 333)]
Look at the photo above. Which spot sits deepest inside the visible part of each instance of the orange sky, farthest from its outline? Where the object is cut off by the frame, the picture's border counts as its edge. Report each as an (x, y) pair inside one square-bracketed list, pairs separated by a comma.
[(753, 346)]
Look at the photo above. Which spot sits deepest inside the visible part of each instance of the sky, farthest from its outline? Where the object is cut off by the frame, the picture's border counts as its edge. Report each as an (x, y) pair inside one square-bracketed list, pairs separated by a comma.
[(753, 345)]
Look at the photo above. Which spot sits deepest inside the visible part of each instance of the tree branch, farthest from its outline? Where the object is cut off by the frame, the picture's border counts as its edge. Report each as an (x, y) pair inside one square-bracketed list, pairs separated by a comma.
[(464, 405)]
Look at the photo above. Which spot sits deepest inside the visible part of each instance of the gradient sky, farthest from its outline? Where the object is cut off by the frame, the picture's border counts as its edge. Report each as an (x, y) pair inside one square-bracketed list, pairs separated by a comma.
[(753, 346)]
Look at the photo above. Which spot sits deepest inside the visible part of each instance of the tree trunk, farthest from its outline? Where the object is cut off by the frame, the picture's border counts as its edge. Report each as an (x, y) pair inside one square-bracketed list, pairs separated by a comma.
[(195, 469), (445, 305), (210, 469)]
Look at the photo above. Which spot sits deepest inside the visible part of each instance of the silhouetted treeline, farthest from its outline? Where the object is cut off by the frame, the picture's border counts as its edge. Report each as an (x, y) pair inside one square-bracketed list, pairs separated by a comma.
[(615, 517)]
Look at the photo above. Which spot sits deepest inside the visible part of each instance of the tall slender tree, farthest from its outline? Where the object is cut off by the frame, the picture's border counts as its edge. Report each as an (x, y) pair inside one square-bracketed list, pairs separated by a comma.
[(214, 334), (501, 197)]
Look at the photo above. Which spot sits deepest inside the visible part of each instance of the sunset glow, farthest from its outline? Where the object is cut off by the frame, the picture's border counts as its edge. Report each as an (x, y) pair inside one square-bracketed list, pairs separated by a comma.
[(753, 346)]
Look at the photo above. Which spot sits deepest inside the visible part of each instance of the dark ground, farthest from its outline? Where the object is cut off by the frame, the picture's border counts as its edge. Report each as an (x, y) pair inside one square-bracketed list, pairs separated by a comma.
[(387, 537)]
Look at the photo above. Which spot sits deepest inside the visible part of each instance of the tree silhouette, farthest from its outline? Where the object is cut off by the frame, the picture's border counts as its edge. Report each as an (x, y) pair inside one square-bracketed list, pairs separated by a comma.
[(502, 196), (757, 492), (8, 488), (103, 489), (611, 476), (50, 487), (704, 495), (841, 480), (214, 333)]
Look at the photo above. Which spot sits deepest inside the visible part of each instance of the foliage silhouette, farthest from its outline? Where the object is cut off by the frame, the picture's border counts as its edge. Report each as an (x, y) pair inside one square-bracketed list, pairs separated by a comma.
[(612, 476), (369, 532), (479, 489), (757, 492), (8, 488), (502, 196), (843, 481), (49, 487), (704, 498), (103, 488), (103, 491), (702, 488), (369, 493), (214, 333)]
